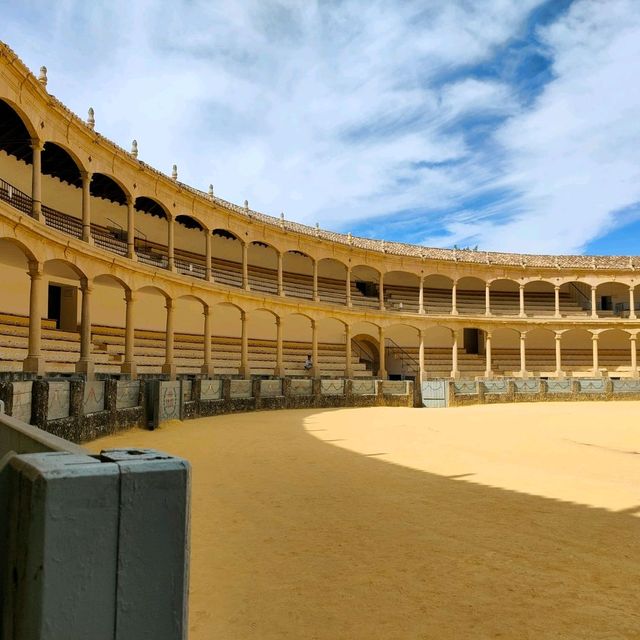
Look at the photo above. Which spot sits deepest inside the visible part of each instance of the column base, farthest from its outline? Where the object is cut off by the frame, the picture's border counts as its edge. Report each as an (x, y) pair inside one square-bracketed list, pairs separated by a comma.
[(34, 364), (86, 366), (382, 374), (560, 374), (525, 374), (488, 374), (169, 369), (279, 371), (454, 312), (455, 374), (207, 369), (522, 315), (243, 372), (130, 369), (36, 212)]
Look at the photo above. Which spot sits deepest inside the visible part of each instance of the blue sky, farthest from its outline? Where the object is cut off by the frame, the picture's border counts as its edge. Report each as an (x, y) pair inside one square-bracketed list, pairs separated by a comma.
[(507, 124)]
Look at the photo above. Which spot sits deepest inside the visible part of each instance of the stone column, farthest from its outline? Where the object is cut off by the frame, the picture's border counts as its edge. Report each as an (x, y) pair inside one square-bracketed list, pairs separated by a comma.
[(348, 286), (421, 296), (558, 338), (523, 354), (594, 344), (315, 369), (131, 229), (245, 372), (556, 291), (454, 355), (421, 356), (208, 238), (86, 205), (634, 355), (169, 367), (348, 369), (245, 266), (487, 352), (36, 179), (129, 364), (170, 245), (382, 368), (280, 275), (207, 366), (381, 292), (632, 303), (85, 364), (487, 299), (522, 313), (454, 295), (316, 296), (279, 370), (34, 362), (594, 310)]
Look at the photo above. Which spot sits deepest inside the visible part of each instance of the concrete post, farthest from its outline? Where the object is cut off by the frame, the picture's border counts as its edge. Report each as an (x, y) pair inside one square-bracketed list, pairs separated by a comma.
[(280, 274), (454, 295), (207, 366), (244, 347), (315, 369), (86, 205), (487, 299), (454, 355), (36, 179), (131, 229), (348, 286), (487, 351), (245, 266), (170, 245), (129, 364), (34, 362), (558, 338), (594, 310), (279, 370), (382, 369), (556, 291), (208, 238), (421, 296), (632, 303), (381, 292), (523, 354), (522, 313), (634, 355), (85, 364), (348, 369), (594, 343), (316, 296), (169, 367)]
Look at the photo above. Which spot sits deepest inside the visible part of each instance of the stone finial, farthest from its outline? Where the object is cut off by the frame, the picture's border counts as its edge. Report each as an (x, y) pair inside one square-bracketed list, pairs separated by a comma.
[(42, 78), (487, 257), (317, 228), (174, 172), (422, 253), (91, 120), (631, 264), (211, 191), (349, 238), (134, 148), (383, 246), (282, 219), (455, 254), (593, 263)]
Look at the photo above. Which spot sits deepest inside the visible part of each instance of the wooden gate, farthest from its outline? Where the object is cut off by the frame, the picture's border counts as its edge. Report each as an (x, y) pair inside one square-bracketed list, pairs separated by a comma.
[(435, 393)]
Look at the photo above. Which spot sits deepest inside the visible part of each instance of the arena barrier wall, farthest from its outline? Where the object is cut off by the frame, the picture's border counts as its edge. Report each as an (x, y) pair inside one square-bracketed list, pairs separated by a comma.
[(91, 546), (503, 390)]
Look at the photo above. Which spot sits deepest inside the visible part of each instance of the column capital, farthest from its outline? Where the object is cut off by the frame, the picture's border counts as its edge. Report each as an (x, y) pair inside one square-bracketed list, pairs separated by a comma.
[(556, 287), (130, 200), (488, 334), (595, 337), (36, 144), (206, 310), (36, 269), (86, 285), (633, 337), (278, 321), (522, 286), (86, 175), (558, 336), (313, 323), (130, 296), (168, 304)]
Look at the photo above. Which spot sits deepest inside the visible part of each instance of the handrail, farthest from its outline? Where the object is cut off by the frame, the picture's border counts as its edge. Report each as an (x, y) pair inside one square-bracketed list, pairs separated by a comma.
[(396, 350), (584, 295)]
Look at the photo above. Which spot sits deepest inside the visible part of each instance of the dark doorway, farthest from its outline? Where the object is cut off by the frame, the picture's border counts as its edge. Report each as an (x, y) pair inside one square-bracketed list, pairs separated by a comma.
[(471, 341), (54, 304)]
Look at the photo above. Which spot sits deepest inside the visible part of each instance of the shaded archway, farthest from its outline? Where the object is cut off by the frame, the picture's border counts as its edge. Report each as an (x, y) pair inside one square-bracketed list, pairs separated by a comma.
[(577, 352), (541, 352), (226, 328), (297, 330), (227, 251), (152, 232), (150, 348), (332, 278), (263, 267), (365, 287), (191, 246), (332, 350), (575, 299), (401, 292), (365, 346), (298, 274), (504, 356), (504, 297), (614, 351), (471, 296), (109, 219), (612, 299), (437, 294), (539, 298), (262, 328), (402, 358)]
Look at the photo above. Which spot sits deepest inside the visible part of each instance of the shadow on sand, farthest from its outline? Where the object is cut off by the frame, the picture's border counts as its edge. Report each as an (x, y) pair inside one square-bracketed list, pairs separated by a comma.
[(296, 538)]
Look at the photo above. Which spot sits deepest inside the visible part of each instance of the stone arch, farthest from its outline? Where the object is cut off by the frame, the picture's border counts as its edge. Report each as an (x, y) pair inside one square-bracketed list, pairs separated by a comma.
[(332, 354), (297, 269), (152, 228), (541, 354), (612, 299), (15, 258), (402, 341), (263, 266), (577, 353), (614, 350), (365, 344), (332, 278), (227, 250), (7, 108), (504, 296), (365, 286), (470, 296), (505, 350), (437, 294), (191, 238), (401, 291), (539, 298)]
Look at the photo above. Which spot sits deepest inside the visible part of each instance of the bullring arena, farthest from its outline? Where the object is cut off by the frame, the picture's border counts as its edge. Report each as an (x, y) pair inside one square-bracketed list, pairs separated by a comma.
[(332, 516)]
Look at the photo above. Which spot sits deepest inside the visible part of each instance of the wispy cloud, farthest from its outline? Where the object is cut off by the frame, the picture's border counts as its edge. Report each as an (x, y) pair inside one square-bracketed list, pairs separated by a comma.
[(414, 120)]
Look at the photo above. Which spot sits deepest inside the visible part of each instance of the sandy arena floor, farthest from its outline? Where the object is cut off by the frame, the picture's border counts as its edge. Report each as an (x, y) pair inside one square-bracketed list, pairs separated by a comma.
[(509, 521)]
